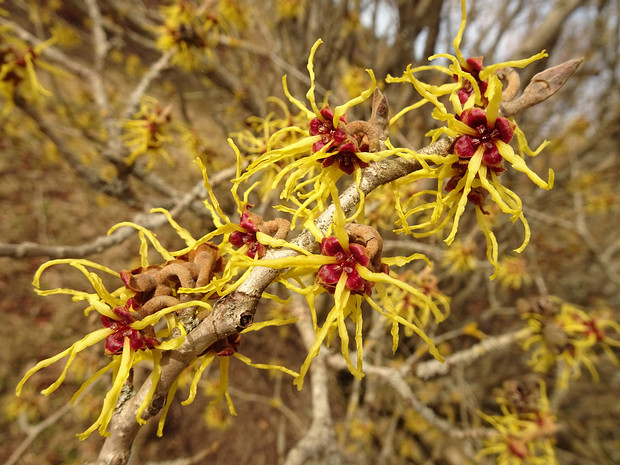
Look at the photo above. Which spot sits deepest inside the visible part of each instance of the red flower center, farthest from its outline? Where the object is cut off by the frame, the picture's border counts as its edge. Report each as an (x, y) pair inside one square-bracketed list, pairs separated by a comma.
[(466, 146), (338, 142), (122, 329), (329, 275), (240, 238)]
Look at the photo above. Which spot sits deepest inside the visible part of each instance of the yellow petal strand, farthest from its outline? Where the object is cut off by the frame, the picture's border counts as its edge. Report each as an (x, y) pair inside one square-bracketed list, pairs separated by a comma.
[(144, 250), (489, 70), (70, 261), (495, 189), (401, 261), (92, 379), (339, 220), (125, 362), (182, 232), (239, 165), (309, 114), (359, 325), (519, 164), (387, 279), (492, 248), (264, 366), (341, 110), (273, 242), (431, 346), (316, 346), (80, 345), (176, 342), (341, 299), (155, 317), (405, 110), (275, 322), (150, 235), (358, 215), (205, 362), (223, 387), (32, 76), (310, 94), (164, 411), (214, 205), (527, 234), (459, 35), (280, 263), (494, 96), (155, 376), (523, 145), (472, 170)]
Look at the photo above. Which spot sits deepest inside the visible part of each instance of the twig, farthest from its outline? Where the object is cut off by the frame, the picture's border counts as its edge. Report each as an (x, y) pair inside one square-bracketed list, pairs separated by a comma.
[(196, 458), (430, 368), (100, 41), (396, 380), (153, 73), (102, 243), (236, 311), (319, 442), (266, 400), (34, 430)]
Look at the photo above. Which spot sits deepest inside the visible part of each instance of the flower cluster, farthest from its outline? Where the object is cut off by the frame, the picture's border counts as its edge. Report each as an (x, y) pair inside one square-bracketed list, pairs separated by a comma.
[(146, 133), (479, 152), (18, 69), (174, 294), (350, 266), (329, 275), (329, 147), (251, 224), (335, 140), (563, 333), (191, 33), (138, 339), (129, 340), (525, 432), (473, 66)]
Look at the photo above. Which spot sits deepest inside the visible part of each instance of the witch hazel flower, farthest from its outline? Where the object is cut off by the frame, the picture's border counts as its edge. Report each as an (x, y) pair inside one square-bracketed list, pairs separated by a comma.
[(485, 134), (473, 66), (337, 141), (329, 148), (248, 236), (253, 224), (138, 339), (480, 150), (329, 275), (484, 137)]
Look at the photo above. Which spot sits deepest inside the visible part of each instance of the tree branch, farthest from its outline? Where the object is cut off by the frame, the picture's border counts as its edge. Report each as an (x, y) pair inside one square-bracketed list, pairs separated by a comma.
[(235, 312)]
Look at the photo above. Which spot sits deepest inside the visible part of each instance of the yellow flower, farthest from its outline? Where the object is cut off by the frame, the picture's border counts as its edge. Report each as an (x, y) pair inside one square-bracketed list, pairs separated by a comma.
[(146, 134), (191, 32), (18, 69), (174, 293), (460, 258), (326, 140), (349, 267), (128, 338), (524, 437), (564, 334), (470, 173)]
